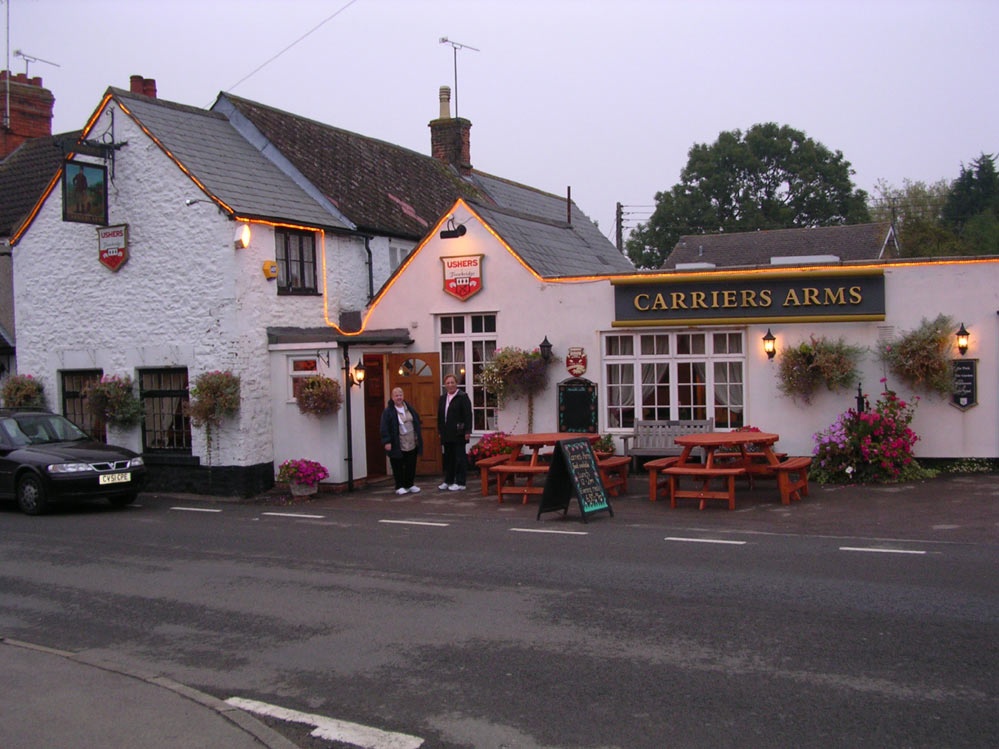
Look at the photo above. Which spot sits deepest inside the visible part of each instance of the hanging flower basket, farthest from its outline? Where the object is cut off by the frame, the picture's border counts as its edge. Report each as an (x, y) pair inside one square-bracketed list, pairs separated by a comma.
[(319, 396), (215, 396), (513, 372), (112, 400), (22, 391), (921, 357), (818, 361)]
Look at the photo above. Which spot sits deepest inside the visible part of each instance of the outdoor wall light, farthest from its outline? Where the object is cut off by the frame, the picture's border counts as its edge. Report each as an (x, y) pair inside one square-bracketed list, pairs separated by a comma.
[(357, 376), (241, 240), (770, 345), (962, 340), (545, 347), (453, 231)]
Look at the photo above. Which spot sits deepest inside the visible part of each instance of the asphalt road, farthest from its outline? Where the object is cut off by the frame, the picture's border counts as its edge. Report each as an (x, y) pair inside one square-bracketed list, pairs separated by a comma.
[(860, 617)]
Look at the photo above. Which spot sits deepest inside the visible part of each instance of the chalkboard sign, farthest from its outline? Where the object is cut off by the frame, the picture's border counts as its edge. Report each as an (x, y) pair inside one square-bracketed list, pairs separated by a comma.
[(577, 405), (574, 471), (965, 384)]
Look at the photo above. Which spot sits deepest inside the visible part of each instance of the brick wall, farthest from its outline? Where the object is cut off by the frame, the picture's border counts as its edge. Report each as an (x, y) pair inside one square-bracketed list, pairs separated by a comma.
[(30, 113)]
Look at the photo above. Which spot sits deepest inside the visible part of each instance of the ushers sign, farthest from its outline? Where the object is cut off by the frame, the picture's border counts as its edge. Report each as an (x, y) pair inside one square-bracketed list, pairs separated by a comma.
[(112, 246), (462, 275)]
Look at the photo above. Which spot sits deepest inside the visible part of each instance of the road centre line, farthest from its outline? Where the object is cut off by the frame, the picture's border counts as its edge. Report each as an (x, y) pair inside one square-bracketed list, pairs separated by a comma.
[(293, 515), (332, 729), (194, 509), (415, 522), (542, 530), (704, 540), (881, 551)]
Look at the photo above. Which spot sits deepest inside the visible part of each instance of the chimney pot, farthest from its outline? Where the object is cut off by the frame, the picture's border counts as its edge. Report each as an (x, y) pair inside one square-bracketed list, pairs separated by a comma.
[(445, 98), (135, 84), (149, 87)]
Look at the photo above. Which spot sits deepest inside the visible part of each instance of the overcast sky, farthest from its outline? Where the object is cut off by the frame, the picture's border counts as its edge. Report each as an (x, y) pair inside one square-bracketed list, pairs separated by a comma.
[(603, 96)]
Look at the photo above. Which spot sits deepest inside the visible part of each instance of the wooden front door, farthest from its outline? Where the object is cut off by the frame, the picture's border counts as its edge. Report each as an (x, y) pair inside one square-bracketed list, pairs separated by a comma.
[(419, 377)]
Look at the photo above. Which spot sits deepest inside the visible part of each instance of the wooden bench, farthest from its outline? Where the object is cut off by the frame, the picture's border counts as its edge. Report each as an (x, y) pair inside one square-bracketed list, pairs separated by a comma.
[(509, 471), (657, 481), (484, 464), (614, 472), (654, 439), (757, 466), (705, 476), (792, 488)]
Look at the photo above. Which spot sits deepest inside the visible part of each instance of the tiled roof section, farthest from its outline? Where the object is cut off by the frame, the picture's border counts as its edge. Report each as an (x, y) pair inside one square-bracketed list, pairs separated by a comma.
[(24, 174), (380, 187), (207, 145), (848, 243), (554, 248), (304, 336)]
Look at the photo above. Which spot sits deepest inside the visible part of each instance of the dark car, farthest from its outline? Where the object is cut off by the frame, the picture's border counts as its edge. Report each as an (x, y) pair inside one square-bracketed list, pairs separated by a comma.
[(44, 457)]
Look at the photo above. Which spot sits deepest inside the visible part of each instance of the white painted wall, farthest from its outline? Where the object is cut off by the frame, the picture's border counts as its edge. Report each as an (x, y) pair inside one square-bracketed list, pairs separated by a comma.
[(575, 314)]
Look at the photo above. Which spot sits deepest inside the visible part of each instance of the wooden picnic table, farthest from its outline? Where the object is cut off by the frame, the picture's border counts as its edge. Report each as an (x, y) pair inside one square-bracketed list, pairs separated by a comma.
[(534, 442), (733, 465)]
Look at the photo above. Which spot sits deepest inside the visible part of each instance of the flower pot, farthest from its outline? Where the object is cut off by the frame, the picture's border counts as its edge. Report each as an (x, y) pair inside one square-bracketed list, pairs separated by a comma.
[(303, 490)]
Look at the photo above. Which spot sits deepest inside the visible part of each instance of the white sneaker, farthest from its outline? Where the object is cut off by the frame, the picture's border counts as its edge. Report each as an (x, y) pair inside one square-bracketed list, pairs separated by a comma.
[(444, 486), (457, 487), (402, 491), (414, 490)]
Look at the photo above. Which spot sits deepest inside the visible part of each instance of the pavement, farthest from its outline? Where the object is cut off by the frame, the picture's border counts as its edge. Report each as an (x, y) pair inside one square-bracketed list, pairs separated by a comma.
[(67, 699)]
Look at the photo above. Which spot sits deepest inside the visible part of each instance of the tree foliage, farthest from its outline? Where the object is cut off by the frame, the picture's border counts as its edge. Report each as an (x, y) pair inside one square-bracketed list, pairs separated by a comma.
[(770, 177), (946, 219)]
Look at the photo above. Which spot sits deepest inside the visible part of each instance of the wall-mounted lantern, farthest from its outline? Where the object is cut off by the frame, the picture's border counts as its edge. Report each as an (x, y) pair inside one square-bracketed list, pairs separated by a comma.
[(770, 345), (545, 347), (241, 240), (962, 340)]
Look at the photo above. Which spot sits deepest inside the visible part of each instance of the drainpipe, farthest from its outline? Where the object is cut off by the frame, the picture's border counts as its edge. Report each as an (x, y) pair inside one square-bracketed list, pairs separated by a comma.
[(371, 270), (348, 386)]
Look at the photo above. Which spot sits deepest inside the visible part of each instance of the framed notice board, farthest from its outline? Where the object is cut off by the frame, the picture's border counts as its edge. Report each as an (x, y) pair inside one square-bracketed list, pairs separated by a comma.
[(965, 393), (577, 405), (574, 471)]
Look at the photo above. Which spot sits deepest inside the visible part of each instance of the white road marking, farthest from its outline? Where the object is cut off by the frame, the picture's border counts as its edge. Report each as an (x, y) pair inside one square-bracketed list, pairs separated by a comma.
[(704, 540), (415, 522), (881, 551), (542, 530), (194, 509), (331, 729), (293, 515)]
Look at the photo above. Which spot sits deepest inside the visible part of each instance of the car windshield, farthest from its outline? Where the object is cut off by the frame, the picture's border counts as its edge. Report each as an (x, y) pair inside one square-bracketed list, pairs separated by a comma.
[(39, 429)]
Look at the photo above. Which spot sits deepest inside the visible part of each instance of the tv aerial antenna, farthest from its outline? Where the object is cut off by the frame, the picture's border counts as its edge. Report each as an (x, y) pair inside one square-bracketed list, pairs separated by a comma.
[(456, 46), (31, 58)]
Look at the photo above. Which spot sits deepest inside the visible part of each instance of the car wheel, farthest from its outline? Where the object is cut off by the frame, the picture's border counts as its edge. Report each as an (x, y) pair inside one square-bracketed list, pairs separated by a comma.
[(31, 495), (122, 500)]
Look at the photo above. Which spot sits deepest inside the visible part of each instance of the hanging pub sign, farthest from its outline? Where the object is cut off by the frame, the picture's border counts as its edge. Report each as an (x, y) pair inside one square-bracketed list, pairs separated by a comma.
[(84, 193), (112, 246), (835, 295), (575, 361), (965, 393), (462, 275)]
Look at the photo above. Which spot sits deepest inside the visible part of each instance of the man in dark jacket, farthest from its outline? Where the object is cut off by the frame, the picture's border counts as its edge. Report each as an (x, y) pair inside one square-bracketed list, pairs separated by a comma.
[(454, 424)]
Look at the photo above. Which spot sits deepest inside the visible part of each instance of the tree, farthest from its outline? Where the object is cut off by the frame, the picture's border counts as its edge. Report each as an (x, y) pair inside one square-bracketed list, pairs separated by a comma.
[(771, 177), (972, 207), (915, 210)]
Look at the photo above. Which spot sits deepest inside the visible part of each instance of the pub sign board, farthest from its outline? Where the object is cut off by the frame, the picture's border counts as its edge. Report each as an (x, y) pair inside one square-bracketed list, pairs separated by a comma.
[(965, 393), (803, 296), (112, 246), (574, 471), (84, 193)]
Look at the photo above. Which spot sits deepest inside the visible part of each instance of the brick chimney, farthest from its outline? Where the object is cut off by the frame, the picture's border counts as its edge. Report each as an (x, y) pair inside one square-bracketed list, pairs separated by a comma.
[(449, 137), (26, 110), (140, 85)]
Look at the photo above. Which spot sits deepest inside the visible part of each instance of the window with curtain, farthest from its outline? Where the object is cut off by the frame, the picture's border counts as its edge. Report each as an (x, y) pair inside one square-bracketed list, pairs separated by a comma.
[(681, 375), (467, 342)]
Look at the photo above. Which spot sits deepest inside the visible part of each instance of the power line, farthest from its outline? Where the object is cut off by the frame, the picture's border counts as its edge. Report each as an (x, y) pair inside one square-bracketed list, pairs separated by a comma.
[(307, 33)]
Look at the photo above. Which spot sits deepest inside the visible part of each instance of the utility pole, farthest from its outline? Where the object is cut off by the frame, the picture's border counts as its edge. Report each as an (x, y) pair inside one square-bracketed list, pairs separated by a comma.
[(619, 224)]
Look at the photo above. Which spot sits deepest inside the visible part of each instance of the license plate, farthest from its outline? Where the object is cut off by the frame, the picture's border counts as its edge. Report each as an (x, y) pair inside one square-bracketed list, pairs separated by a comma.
[(114, 478)]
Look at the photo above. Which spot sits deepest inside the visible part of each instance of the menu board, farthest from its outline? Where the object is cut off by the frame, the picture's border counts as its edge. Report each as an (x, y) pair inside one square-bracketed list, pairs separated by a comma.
[(574, 471), (577, 406), (965, 393)]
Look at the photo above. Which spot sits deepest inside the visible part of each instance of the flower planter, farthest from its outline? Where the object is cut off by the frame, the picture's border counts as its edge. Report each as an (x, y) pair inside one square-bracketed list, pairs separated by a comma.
[(303, 490)]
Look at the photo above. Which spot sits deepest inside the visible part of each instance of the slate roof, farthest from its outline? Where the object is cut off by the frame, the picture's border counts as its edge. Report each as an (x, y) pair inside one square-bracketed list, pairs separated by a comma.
[(232, 169), (381, 187), (25, 174), (387, 189), (851, 243)]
